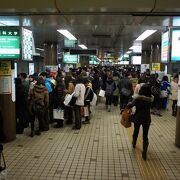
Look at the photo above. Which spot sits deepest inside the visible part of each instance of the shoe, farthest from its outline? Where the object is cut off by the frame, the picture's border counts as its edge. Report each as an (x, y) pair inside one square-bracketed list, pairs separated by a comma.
[(75, 128), (134, 143), (38, 133), (144, 155), (68, 122), (32, 134), (86, 122)]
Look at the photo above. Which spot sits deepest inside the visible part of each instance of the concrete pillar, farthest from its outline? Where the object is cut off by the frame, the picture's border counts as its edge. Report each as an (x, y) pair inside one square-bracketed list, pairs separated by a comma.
[(146, 57), (50, 53), (7, 108), (177, 138)]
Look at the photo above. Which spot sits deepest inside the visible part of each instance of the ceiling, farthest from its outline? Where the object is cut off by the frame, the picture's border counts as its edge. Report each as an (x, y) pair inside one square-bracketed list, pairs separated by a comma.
[(104, 25)]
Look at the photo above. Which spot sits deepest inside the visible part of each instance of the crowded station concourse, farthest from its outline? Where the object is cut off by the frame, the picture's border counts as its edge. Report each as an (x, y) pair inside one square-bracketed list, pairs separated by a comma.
[(89, 90)]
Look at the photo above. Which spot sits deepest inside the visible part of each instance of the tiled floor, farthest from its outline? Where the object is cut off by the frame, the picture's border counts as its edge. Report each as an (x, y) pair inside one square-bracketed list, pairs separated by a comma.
[(100, 150)]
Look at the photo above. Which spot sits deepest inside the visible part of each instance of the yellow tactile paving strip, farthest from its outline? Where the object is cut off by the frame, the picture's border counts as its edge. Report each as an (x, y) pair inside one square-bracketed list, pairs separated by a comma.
[(151, 168)]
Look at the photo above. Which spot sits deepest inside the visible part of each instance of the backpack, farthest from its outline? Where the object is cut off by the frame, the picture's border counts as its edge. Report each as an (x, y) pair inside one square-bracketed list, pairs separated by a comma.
[(109, 88)]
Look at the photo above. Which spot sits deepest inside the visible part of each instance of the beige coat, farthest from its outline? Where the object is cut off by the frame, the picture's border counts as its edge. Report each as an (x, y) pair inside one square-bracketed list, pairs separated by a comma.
[(79, 92), (174, 90)]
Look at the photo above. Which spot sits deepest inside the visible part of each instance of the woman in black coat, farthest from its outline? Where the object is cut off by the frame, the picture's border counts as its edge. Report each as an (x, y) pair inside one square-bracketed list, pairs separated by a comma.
[(59, 99), (142, 116)]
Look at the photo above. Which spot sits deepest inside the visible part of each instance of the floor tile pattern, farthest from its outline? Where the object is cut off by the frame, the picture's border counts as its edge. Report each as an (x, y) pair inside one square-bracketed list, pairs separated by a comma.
[(100, 150)]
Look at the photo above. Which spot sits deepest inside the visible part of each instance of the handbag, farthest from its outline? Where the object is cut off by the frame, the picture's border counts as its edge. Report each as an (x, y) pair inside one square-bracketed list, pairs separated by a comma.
[(3, 171), (58, 114), (70, 100), (94, 100), (164, 94), (101, 93), (126, 118)]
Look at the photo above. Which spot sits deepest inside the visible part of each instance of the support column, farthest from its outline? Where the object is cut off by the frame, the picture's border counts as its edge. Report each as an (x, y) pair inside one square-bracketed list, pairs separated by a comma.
[(177, 138), (156, 55), (146, 57), (50, 53), (7, 106), (84, 61)]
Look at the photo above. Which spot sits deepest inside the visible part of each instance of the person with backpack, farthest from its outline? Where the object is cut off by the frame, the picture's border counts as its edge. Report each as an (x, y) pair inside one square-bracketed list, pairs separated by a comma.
[(39, 101), (116, 91), (110, 86), (126, 91)]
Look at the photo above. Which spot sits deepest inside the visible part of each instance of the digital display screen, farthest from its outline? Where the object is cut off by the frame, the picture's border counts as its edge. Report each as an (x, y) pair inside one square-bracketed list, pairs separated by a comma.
[(165, 47), (175, 52), (136, 60), (9, 43)]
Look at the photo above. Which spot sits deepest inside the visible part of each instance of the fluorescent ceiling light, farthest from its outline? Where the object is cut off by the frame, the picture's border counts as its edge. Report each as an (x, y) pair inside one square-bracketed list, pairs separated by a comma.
[(40, 49), (128, 52), (82, 46), (145, 34), (67, 34)]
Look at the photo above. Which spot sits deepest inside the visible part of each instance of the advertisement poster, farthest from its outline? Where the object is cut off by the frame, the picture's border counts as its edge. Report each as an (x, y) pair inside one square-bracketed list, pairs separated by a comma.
[(175, 53), (144, 67), (5, 84), (156, 66), (5, 68), (31, 68), (178, 93), (165, 47)]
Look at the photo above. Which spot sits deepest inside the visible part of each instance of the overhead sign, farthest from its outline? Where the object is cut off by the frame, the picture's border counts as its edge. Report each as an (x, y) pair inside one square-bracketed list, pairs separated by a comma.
[(83, 52), (165, 47), (9, 43), (5, 68), (70, 43), (73, 59), (156, 66), (175, 52), (93, 60)]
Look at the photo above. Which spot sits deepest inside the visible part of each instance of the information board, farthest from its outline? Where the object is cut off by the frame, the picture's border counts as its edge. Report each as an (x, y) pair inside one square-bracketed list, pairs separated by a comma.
[(5, 68), (9, 43), (156, 66), (165, 47)]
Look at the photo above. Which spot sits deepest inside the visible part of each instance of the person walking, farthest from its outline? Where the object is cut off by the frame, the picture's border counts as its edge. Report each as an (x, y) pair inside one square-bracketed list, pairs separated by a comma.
[(174, 97), (142, 116)]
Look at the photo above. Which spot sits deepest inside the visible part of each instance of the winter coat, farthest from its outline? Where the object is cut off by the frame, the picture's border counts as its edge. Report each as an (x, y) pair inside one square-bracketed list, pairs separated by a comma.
[(48, 85), (96, 82), (116, 81), (143, 105), (165, 85), (39, 95), (59, 96), (174, 90), (79, 93), (110, 82), (125, 83)]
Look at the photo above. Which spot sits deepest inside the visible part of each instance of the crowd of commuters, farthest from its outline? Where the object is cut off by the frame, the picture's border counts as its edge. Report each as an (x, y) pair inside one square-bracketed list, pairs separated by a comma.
[(39, 94)]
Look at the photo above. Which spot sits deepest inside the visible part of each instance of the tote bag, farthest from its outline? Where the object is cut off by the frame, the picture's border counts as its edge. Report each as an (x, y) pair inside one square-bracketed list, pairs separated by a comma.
[(94, 100), (68, 99), (58, 114), (126, 118), (102, 93)]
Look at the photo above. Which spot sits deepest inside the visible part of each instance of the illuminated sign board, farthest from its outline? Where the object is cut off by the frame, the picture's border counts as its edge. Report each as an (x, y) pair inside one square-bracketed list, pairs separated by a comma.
[(28, 46), (9, 43), (72, 59), (165, 47), (175, 52)]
